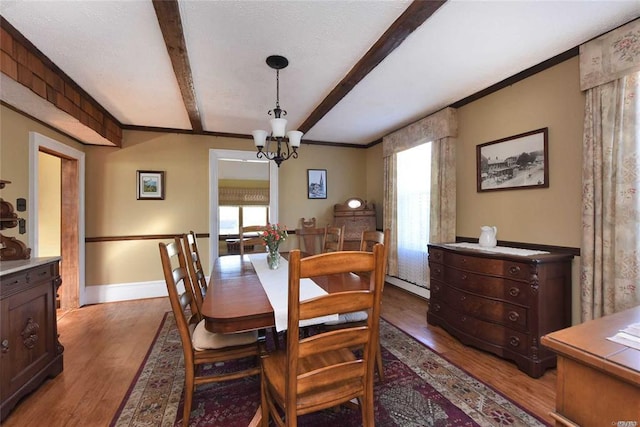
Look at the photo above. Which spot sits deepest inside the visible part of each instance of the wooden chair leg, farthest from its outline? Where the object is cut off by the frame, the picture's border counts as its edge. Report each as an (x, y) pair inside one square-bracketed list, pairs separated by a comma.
[(276, 338), (188, 400), (379, 365)]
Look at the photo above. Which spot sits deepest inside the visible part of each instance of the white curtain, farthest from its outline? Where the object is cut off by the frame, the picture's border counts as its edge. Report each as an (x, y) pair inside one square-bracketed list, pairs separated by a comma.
[(413, 206)]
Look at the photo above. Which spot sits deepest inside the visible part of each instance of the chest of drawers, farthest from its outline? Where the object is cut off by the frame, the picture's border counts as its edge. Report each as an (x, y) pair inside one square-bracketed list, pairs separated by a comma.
[(501, 303)]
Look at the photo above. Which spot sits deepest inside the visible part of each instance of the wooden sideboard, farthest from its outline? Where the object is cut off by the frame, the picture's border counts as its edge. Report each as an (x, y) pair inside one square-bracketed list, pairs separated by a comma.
[(501, 303), (355, 220), (598, 380), (29, 348)]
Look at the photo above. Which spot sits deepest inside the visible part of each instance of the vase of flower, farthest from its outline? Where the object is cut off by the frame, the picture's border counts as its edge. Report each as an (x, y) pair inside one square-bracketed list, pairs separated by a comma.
[(273, 258), (273, 236)]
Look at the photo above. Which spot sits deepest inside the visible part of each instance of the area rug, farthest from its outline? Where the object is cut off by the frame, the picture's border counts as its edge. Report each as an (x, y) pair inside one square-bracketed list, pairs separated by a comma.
[(421, 389)]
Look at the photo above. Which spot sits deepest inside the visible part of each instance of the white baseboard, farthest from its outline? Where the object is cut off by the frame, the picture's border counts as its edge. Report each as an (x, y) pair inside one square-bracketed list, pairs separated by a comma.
[(421, 292), (124, 292)]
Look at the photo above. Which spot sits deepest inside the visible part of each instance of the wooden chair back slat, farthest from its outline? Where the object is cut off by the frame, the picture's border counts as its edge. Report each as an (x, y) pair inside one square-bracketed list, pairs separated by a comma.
[(194, 265), (333, 239), (252, 236)]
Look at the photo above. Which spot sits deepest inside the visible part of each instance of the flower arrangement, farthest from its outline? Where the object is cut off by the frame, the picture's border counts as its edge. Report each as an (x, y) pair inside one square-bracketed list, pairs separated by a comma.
[(273, 235)]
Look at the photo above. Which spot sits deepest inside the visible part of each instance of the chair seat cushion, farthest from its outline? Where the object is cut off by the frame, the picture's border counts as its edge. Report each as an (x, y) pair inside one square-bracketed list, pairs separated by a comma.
[(205, 340), (356, 316)]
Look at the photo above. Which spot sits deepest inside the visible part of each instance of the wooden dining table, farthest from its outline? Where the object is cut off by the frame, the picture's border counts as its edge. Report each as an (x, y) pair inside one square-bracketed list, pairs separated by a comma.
[(236, 301)]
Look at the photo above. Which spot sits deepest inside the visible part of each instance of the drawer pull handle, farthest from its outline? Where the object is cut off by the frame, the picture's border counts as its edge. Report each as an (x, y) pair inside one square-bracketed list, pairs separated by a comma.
[(43, 273), (464, 277), (437, 271), (5, 346), (514, 292), (436, 288), (15, 282), (513, 316), (437, 255), (514, 341), (462, 298), (436, 307), (514, 269)]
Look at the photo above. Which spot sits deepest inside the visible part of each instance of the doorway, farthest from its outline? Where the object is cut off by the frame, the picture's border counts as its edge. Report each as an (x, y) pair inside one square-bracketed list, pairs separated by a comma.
[(216, 156), (71, 203)]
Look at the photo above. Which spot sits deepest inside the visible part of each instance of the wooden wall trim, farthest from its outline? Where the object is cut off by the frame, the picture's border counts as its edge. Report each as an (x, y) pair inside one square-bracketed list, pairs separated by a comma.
[(533, 246), (139, 237)]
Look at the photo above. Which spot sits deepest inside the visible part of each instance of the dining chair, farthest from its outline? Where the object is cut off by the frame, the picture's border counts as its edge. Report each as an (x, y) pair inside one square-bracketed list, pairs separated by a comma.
[(194, 265), (333, 238), (201, 347), (368, 240), (252, 236), (322, 371), (310, 237)]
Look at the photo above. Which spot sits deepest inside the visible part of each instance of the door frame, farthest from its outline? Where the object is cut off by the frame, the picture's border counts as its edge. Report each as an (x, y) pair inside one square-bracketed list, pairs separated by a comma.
[(214, 220), (72, 198)]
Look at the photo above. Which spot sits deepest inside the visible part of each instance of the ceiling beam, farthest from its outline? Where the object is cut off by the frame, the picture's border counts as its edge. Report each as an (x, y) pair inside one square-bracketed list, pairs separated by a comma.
[(168, 14), (415, 15)]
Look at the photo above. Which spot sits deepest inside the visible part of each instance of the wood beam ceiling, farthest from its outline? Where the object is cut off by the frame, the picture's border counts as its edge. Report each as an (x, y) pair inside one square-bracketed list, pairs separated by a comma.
[(168, 14), (415, 15)]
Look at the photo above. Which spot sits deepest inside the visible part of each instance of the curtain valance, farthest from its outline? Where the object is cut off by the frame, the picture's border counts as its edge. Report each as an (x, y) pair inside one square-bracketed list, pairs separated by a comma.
[(439, 125), (611, 56), (234, 196)]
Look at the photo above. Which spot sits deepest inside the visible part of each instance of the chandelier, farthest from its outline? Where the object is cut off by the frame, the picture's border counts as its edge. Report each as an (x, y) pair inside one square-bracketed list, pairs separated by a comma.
[(276, 146)]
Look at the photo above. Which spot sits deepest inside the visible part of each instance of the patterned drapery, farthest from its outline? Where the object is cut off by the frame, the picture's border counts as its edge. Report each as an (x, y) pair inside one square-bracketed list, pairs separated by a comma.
[(610, 254), (441, 128)]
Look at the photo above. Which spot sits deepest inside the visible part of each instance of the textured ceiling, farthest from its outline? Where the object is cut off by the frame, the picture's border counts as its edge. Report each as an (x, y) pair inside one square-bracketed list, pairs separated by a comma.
[(115, 51)]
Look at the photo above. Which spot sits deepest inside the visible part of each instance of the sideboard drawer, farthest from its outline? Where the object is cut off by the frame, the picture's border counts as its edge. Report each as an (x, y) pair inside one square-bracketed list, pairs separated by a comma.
[(497, 267), (489, 286), (510, 315)]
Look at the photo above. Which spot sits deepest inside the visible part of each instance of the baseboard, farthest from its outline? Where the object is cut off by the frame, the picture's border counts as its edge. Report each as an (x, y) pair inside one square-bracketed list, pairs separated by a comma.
[(124, 292), (410, 287)]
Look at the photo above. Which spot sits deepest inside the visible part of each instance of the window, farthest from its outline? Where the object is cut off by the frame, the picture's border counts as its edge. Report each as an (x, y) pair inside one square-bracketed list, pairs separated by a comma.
[(413, 201), (231, 217)]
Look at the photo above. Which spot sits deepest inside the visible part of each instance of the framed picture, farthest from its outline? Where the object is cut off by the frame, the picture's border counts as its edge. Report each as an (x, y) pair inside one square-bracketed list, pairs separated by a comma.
[(317, 183), (517, 162), (150, 185)]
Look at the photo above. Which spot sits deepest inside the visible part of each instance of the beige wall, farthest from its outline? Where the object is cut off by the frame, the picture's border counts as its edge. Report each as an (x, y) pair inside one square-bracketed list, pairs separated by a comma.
[(14, 158), (549, 216), (112, 208), (49, 205)]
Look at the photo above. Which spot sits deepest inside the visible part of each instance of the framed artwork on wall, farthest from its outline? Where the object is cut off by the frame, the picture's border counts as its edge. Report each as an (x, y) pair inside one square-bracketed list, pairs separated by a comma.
[(316, 183), (514, 163), (150, 185)]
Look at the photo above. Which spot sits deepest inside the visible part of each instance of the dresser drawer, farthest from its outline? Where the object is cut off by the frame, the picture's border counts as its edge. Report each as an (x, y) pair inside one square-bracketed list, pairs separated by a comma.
[(16, 282), (487, 332), (487, 309), (489, 286), (495, 267)]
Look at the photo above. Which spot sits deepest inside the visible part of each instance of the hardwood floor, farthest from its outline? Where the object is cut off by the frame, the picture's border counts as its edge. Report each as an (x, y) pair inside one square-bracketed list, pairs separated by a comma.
[(105, 345)]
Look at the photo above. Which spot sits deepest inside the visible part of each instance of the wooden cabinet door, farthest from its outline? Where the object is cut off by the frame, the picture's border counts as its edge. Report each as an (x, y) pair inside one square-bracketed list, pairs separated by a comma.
[(28, 343)]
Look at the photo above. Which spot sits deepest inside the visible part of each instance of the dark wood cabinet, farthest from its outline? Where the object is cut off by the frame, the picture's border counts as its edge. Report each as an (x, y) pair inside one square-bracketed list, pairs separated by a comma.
[(29, 348), (356, 219), (501, 303)]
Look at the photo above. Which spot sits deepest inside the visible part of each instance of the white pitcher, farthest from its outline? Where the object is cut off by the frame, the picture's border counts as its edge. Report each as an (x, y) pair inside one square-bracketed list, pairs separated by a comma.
[(488, 236)]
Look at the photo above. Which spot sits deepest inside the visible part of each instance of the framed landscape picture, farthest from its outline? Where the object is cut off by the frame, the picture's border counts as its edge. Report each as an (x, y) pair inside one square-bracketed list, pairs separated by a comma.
[(316, 183), (150, 185), (517, 162)]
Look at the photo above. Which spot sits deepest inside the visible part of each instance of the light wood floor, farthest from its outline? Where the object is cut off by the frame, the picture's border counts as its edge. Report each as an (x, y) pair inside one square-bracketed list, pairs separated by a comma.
[(105, 345)]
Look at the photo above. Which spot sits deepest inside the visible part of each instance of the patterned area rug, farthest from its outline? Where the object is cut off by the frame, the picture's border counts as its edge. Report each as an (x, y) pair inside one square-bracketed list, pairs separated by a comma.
[(421, 389)]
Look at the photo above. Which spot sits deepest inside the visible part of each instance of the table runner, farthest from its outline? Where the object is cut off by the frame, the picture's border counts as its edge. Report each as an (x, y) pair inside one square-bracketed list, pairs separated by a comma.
[(498, 249), (276, 286)]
